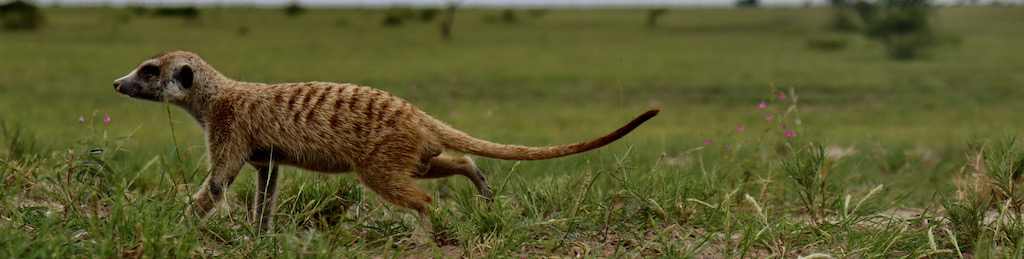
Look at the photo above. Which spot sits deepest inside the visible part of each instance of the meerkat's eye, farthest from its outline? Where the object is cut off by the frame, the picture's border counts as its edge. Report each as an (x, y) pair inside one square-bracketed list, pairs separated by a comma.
[(149, 71)]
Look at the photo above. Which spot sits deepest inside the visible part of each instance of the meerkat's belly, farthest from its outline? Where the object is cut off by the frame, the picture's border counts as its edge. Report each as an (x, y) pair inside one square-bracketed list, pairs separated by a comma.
[(313, 161)]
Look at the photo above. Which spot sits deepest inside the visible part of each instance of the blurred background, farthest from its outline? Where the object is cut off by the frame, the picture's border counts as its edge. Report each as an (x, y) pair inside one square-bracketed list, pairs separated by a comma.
[(909, 93), (913, 72)]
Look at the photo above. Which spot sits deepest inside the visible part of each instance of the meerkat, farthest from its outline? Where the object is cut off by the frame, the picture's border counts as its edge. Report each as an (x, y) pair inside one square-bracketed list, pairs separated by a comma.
[(323, 127)]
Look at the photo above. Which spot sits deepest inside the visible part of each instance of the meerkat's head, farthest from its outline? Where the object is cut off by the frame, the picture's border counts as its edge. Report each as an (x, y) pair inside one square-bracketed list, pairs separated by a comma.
[(170, 76)]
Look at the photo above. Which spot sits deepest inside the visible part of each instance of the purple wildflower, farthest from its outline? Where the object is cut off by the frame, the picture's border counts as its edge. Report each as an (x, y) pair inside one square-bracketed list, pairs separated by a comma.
[(768, 117), (762, 105), (790, 134), (740, 128), (782, 96), (707, 142), (106, 119), (81, 119)]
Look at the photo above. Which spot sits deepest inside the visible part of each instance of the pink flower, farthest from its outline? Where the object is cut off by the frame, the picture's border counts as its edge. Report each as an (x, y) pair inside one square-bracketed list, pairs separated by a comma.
[(790, 134), (455, 79), (782, 96), (414, 88), (762, 105), (106, 119), (768, 117), (784, 127), (707, 142), (81, 119), (740, 128), (726, 148)]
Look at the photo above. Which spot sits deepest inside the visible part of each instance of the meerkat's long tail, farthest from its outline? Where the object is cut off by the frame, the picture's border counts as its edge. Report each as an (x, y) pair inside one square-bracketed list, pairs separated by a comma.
[(462, 142)]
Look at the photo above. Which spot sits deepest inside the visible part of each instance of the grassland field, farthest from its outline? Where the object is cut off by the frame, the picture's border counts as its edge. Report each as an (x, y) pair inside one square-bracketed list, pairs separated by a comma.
[(915, 128)]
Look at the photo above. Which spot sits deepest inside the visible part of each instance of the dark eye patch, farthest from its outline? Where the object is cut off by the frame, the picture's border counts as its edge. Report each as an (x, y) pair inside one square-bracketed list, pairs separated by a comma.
[(149, 71)]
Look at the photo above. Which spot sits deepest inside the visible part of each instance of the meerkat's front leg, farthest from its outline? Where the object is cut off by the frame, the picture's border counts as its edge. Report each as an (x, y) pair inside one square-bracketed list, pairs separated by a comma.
[(225, 168)]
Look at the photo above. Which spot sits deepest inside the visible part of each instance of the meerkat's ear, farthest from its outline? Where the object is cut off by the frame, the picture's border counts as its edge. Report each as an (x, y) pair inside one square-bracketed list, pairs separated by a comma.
[(185, 76)]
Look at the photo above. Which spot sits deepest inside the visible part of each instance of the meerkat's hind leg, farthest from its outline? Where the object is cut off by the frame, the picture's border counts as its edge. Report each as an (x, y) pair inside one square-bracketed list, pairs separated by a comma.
[(446, 165), (398, 187), (266, 192)]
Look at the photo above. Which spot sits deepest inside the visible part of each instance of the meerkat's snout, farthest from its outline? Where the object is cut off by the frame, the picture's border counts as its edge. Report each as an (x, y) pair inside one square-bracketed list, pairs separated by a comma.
[(123, 87)]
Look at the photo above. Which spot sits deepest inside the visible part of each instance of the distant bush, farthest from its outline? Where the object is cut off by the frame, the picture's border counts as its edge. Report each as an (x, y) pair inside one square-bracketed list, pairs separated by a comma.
[(428, 15), (827, 42), (138, 10), (653, 15), (294, 9), (342, 22), (397, 16), (536, 13), (20, 15), (506, 16), (842, 22), (392, 20), (243, 30), (189, 13)]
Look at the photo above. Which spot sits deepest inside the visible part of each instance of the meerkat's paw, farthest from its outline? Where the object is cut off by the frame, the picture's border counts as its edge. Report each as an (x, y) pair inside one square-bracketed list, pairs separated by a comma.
[(479, 181), (418, 239), (485, 189)]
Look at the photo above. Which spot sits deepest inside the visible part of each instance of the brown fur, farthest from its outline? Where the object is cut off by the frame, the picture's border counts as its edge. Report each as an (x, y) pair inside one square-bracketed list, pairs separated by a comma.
[(324, 127)]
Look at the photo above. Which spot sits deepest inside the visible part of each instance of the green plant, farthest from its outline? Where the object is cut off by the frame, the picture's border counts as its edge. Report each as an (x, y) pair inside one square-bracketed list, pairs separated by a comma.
[(1004, 165), (811, 169), (17, 143)]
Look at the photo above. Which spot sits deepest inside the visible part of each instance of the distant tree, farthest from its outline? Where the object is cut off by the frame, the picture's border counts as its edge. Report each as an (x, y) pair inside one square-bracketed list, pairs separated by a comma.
[(508, 16), (901, 25), (449, 18), (653, 15), (747, 3), (20, 15), (189, 13), (294, 9)]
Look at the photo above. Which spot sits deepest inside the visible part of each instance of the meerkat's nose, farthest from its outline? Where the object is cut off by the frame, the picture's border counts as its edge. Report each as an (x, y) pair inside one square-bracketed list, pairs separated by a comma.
[(117, 86)]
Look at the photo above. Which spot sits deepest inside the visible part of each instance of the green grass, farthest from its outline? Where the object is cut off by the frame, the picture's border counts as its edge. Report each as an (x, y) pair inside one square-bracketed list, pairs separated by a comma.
[(890, 159)]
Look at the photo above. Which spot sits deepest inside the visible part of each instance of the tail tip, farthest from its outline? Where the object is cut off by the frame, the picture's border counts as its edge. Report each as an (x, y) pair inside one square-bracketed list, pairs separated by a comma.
[(651, 113)]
